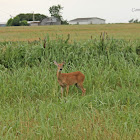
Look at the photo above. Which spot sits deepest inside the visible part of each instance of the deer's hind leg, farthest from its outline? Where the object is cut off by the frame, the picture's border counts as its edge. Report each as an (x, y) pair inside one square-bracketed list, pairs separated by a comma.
[(80, 85)]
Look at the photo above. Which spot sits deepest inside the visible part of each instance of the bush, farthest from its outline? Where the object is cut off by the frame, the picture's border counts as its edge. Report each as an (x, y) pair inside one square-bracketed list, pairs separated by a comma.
[(24, 23)]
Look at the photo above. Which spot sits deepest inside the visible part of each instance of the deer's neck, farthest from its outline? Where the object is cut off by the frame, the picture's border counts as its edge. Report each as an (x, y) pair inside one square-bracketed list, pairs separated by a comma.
[(59, 75)]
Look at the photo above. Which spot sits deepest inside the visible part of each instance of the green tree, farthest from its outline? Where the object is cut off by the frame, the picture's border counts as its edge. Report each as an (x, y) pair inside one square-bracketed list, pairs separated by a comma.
[(29, 17), (21, 19), (39, 17), (64, 22), (56, 11), (131, 21), (16, 21), (9, 22), (136, 21)]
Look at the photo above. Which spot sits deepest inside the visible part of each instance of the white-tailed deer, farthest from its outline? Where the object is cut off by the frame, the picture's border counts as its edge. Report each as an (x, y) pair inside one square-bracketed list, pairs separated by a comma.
[(68, 79)]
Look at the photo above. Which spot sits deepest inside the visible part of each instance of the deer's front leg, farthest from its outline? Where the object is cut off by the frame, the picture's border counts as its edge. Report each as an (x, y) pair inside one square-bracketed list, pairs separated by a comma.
[(62, 89), (67, 89)]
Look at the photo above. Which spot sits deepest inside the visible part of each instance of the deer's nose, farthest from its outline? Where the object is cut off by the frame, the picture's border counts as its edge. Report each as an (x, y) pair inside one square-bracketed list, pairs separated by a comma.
[(60, 69)]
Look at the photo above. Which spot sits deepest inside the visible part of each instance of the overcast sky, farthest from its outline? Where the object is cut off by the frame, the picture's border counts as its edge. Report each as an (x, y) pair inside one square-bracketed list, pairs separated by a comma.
[(111, 10)]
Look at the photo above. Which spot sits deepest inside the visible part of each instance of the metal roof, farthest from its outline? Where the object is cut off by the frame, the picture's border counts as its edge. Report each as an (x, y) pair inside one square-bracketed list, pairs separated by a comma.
[(86, 18), (33, 22)]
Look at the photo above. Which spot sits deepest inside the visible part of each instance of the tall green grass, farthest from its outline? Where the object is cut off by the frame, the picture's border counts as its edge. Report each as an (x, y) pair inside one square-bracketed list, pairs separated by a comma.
[(31, 106)]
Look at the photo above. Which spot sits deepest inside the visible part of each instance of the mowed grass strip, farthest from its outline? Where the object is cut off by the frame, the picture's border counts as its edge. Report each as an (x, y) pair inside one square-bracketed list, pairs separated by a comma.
[(77, 32)]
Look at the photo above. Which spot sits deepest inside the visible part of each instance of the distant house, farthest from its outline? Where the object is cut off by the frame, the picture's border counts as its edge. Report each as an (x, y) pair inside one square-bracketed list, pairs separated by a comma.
[(50, 21), (33, 23), (2, 24), (92, 20), (45, 21)]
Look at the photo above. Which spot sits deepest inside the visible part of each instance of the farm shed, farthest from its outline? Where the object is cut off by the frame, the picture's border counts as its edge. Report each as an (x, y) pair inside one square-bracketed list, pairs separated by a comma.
[(34, 23), (50, 21), (92, 20)]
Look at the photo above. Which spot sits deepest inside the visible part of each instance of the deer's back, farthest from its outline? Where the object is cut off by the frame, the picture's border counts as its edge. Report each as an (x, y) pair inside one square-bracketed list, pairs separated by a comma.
[(71, 78)]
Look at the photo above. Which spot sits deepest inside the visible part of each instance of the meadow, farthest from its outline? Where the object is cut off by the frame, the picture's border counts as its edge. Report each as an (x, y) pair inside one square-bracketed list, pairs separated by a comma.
[(31, 106), (77, 32)]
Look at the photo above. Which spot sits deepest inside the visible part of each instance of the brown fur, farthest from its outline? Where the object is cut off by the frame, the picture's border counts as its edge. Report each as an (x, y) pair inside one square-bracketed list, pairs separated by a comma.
[(68, 79)]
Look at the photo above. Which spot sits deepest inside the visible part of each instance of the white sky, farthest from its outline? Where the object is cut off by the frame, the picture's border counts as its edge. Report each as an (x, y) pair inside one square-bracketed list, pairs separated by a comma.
[(111, 10)]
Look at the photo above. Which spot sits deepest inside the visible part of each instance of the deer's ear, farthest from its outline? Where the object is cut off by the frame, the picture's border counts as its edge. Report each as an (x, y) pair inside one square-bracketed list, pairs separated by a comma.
[(55, 63), (63, 63)]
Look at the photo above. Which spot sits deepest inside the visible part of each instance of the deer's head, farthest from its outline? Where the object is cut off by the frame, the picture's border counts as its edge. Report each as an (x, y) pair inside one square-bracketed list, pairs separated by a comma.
[(59, 66)]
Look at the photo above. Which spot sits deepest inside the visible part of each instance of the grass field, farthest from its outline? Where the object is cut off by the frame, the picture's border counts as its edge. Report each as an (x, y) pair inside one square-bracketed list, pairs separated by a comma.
[(77, 32), (31, 106)]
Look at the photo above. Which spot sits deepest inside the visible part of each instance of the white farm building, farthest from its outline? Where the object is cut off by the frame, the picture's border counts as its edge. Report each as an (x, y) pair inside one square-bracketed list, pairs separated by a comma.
[(92, 20), (45, 21)]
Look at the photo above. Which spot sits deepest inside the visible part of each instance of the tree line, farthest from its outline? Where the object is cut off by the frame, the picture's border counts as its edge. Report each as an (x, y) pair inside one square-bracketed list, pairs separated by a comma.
[(22, 19), (134, 21)]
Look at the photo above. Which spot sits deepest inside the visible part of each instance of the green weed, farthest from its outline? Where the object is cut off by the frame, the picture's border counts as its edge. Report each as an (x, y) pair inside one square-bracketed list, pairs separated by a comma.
[(31, 106)]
